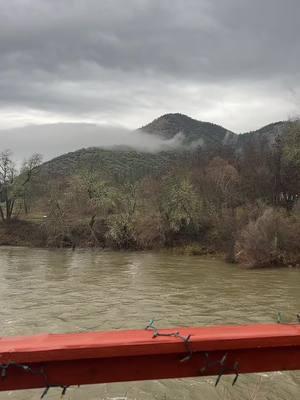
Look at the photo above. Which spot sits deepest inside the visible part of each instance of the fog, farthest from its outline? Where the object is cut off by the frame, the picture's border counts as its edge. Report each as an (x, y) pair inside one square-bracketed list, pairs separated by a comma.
[(56, 139)]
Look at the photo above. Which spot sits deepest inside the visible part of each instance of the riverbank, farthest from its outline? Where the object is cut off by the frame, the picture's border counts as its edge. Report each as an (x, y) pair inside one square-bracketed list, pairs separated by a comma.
[(30, 234), (22, 233)]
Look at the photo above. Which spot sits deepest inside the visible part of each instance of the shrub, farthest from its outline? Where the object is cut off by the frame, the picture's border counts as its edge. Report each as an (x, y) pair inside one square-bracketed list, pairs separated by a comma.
[(271, 239)]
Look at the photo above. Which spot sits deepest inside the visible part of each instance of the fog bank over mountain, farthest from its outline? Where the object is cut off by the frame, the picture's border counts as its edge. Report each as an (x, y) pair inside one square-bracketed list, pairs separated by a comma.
[(56, 139), (173, 131)]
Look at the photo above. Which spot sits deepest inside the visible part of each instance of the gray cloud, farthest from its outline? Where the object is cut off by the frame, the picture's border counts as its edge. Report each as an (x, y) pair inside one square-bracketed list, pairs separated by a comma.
[(232, 62)]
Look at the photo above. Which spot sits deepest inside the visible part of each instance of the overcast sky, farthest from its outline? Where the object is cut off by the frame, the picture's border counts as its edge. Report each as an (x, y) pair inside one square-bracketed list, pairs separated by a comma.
[(125, 62)]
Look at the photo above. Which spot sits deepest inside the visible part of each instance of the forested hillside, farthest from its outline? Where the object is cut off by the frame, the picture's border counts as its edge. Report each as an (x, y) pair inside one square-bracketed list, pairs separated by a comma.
[(196, 139), (216, 192)]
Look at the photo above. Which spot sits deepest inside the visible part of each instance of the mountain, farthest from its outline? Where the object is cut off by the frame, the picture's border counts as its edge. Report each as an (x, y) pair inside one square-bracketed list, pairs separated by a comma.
[(184, 133), (169, 125), (263, 136)]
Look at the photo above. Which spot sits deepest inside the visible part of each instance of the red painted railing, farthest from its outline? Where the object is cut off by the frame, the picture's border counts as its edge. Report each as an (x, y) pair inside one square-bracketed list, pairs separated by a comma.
[(86, 358)]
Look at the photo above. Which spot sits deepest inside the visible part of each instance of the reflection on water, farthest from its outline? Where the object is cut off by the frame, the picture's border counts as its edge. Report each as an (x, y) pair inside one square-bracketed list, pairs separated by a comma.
[(65, 291)]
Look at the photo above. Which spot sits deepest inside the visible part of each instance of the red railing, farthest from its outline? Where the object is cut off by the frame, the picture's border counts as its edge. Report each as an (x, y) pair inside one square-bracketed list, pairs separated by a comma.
[(46, 361)]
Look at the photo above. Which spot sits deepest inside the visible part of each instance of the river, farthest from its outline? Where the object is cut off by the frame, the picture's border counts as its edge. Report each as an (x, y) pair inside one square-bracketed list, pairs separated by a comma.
[(65, 291)]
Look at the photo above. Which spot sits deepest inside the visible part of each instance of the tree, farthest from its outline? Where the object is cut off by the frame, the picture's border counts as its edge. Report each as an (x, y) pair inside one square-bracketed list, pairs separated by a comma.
[(29, 171), (292, 144), (222, 183), (291, 165), (95, 195), (7, 178), (121, 224), (180, 209), (277, 169), (14, 186), (255, 166)]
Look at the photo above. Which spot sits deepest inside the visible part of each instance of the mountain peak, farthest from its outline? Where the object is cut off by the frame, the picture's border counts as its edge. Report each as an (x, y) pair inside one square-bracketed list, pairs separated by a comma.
[(169, 125), (174, 117)]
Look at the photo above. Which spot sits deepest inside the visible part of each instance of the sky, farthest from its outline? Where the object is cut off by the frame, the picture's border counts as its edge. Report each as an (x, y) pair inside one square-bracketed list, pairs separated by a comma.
[(124, 63)]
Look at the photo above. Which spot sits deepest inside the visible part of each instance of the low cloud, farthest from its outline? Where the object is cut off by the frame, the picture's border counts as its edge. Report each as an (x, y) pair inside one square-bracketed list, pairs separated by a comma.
[(56, 139)]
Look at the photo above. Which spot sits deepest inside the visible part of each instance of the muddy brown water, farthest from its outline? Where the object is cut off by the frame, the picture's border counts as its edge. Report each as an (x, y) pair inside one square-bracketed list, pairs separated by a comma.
[(65, 291)]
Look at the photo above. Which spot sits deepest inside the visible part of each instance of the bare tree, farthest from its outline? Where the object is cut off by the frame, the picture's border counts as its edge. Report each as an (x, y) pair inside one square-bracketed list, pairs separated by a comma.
[(12, 185), (28, 171), (7, 177)]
